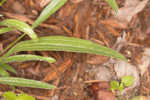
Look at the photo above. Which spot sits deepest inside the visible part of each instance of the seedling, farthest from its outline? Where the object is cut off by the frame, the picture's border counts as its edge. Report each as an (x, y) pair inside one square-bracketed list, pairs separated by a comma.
[(13, 96), (126, 81)]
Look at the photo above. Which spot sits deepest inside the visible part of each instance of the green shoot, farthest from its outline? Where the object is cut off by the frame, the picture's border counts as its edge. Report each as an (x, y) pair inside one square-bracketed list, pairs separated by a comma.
[(126, 81), (113, 4), (13, 96)]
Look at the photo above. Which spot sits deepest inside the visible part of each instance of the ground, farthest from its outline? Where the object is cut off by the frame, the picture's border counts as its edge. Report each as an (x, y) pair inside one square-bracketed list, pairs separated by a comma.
[(81, 76)]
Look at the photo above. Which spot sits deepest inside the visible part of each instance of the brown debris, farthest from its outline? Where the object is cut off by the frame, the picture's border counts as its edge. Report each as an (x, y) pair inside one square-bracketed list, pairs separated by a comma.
[(97, 59), (101, 91), (1, 47), (61, 69), (86, 19)]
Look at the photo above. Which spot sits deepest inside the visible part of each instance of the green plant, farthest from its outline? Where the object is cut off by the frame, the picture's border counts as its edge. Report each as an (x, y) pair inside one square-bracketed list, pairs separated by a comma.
[(13, 96), (126, 81), (2, 2), (113, 4), (52, 43)]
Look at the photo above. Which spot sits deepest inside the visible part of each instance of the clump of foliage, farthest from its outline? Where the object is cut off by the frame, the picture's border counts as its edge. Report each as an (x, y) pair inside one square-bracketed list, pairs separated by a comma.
[(51, 43), (13, 96), (126, 81)]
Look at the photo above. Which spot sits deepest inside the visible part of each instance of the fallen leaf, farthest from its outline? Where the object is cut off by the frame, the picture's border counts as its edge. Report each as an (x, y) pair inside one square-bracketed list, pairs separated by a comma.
[(60, 70), (131, 8)]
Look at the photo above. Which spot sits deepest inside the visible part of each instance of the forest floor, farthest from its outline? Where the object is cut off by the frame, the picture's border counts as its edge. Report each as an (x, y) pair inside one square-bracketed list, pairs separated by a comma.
[(85, 76)]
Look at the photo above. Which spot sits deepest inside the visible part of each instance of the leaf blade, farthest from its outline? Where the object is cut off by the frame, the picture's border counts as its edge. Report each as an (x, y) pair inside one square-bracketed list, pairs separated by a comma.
[(27, 57), (62, 43), (127, 80), (9, 95), (8, 68), (3, 72), (4, 30), (52, 7), (113, 4), (25, 83), (13, 23)]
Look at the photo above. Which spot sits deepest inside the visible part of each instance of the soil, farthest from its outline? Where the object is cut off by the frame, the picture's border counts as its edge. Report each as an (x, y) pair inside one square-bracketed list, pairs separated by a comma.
[(74, 73)]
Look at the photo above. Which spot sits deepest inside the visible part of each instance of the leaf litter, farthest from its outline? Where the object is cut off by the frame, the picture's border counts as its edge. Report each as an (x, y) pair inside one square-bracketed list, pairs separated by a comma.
[(77, 11)]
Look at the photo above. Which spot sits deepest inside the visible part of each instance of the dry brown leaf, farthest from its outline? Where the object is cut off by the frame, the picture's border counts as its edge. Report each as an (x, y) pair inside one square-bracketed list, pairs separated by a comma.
[(97, 59), (131, 8), (61, 69)]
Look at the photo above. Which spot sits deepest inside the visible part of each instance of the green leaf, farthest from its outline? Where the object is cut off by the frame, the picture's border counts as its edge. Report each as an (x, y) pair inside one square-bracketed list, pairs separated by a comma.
[(25, 83), (27, 57), (48, 11), (2, 2), (9, 96), (24, 97), (113, 4), (13, 96), (3, 72), (8, 68), (13, 23), (4, 30), (127, 80), (121, 87), (114, 85), (61, 43)]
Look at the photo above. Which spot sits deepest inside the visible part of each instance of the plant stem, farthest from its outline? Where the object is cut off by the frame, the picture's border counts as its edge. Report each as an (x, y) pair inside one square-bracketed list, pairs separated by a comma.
[(13, 43)]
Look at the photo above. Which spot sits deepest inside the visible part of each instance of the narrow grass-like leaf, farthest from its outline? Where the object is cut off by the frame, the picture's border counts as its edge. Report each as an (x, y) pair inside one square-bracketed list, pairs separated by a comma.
[(51, 8), (4, 30), (25, 83), (113, 4), (62, 43), (8, 68), (27, 57), (13, 23), (3, 72)]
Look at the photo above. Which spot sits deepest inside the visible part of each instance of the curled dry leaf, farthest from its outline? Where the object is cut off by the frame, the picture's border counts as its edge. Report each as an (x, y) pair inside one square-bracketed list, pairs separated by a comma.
[(125, 69), (131, 8), (145, 61)]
